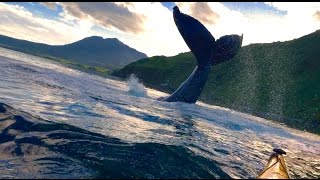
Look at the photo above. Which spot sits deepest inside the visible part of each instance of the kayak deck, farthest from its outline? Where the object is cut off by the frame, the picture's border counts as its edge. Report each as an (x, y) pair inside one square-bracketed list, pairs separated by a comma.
[(276, 167)]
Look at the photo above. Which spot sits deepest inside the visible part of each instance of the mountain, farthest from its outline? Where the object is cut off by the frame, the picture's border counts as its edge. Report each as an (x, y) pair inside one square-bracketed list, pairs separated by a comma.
[(92, 51), (278, 81)]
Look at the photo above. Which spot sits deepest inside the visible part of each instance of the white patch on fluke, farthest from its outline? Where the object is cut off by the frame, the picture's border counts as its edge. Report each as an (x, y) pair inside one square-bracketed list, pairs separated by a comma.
[(135, 87)]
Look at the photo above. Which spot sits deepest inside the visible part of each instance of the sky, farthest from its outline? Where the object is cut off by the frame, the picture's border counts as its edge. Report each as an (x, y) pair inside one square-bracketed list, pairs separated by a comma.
[(149, 26)]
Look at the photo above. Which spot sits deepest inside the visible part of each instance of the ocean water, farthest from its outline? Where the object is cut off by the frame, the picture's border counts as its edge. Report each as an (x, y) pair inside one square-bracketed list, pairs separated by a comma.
[(57, 122)]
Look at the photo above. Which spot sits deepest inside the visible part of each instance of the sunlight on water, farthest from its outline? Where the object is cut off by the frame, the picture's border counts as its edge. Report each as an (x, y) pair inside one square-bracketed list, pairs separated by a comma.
[(137, 135)]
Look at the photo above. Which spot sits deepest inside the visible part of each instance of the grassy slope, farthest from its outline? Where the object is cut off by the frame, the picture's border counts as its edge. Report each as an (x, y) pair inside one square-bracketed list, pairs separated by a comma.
[(159, 70), (279, 81)]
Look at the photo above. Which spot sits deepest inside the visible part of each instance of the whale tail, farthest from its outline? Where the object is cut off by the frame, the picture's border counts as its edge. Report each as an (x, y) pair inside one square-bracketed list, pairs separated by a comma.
[(207, 52), (202, 44), (197, 37), (226, 48)]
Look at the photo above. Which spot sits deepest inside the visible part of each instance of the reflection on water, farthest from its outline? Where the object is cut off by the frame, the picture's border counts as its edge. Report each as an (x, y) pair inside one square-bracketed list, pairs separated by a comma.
[(126, 136)]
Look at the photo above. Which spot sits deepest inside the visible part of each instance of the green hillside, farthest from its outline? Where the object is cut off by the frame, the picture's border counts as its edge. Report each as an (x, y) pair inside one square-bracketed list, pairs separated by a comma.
[(278, 81)]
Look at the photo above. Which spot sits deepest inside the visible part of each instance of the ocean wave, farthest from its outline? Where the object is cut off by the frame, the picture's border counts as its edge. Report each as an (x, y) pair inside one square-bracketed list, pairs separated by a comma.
[(48, 149)]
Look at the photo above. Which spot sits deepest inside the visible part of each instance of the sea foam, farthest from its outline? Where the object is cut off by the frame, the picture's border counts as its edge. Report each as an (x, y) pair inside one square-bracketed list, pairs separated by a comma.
[(135, 87)]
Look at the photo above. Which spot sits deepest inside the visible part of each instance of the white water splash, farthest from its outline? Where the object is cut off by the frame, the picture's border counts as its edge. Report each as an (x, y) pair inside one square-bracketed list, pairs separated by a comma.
[(135, 87)]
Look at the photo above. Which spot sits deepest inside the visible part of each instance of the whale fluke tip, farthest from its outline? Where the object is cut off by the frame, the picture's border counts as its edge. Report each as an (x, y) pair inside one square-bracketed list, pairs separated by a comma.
[(176, 9), (241, 39)]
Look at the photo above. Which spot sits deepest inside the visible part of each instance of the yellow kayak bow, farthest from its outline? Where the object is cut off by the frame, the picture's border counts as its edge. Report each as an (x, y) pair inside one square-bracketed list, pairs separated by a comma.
[(276, 167)]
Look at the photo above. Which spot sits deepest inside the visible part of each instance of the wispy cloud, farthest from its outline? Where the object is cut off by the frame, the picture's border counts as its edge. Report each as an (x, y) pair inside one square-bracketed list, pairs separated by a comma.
[(107, 14), (204, 13), (298, 21), (50, 5), (17, 22), (317, 15)]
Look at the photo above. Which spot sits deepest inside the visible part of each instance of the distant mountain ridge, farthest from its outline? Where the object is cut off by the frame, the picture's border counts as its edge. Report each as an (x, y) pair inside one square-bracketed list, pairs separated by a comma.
[(278, 81), (93, 51)]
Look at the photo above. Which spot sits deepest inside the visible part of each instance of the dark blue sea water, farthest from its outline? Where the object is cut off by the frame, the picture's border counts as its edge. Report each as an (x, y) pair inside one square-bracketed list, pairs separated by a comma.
[(57, 122)]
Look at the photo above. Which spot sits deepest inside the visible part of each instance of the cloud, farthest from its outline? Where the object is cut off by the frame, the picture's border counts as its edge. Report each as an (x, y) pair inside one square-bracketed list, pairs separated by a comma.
[(317, 15), (204, 13), (19, 23), (107, 14), (260, 27), (149, 26), (50, 5), (300, 10), (160, 36), (299, 21)]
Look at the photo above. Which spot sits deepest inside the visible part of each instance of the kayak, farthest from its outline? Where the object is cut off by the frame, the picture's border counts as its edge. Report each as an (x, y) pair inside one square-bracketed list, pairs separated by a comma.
[(276, 167)]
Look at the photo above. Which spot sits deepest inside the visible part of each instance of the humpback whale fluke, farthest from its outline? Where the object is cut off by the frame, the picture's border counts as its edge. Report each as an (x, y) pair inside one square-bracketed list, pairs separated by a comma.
[(197, 37), (207, 51)]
